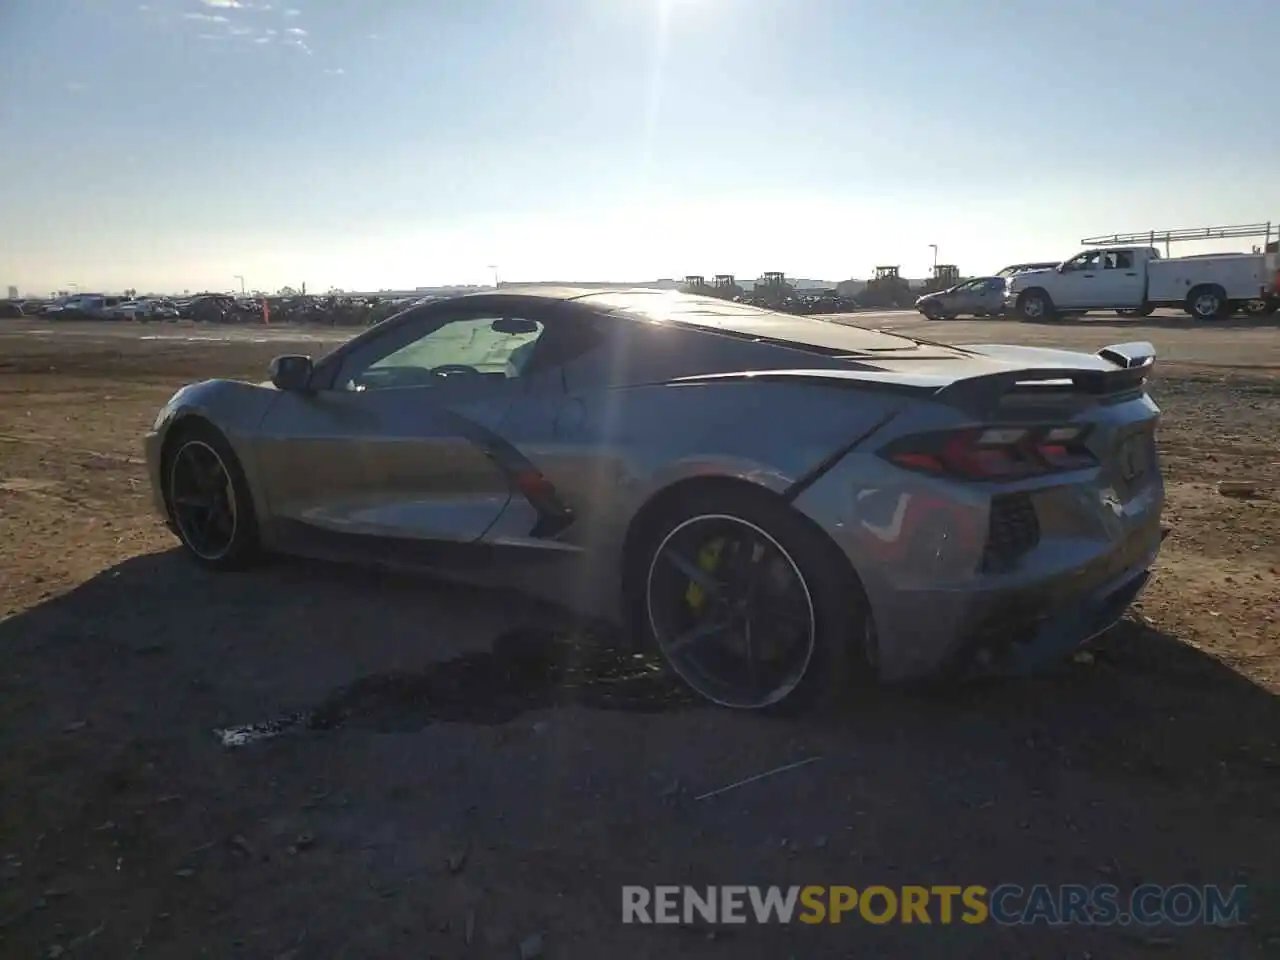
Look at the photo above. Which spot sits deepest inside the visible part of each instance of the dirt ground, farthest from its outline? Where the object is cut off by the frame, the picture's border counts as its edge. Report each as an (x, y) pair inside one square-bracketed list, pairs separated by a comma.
[(471, 780)]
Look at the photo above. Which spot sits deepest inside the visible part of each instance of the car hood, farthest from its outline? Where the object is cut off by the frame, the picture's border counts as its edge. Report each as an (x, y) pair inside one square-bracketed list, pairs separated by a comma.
[(1017, 277)]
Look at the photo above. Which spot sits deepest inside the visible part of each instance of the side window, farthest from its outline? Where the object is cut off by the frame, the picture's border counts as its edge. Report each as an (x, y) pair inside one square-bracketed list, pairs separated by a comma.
[(1084, 261), (473, 347), (1118, 260), (995, 284)]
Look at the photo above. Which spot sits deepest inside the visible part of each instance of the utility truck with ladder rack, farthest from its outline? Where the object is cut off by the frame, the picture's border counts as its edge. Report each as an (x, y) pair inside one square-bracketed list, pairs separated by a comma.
[(1127, 274)]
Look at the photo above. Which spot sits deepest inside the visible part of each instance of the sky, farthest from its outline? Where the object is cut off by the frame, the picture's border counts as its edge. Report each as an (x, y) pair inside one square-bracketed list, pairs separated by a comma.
[(181, 144)]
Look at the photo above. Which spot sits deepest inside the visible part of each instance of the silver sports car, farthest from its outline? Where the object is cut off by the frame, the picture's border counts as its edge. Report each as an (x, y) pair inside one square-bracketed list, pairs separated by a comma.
[(779, 505)]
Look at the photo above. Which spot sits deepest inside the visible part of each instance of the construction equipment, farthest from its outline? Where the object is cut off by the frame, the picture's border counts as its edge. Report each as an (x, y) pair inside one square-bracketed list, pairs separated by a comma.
[(695, 283), (726, 287), (886, 289), (772, 290), (945, 276)]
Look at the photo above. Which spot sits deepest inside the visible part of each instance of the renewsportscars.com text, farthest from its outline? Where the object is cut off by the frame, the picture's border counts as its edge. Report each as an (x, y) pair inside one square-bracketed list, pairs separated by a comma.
[(1007, 904)]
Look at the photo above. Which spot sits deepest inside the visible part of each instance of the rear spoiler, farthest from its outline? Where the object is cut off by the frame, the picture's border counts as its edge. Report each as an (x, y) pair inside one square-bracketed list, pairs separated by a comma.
[(978, 395)]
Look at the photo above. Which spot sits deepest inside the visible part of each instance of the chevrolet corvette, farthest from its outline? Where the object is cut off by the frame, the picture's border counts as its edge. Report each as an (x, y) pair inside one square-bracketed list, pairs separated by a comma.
[(780, 506)]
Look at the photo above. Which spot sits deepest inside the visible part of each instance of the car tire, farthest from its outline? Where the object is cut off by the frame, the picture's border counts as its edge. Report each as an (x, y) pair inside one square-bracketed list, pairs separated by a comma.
[(1208, 302), (1034, 305), (839, 637), (240, 546)]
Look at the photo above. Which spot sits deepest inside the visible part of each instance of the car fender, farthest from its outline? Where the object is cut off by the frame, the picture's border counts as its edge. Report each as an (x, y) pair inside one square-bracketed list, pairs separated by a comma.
[(235, 408)]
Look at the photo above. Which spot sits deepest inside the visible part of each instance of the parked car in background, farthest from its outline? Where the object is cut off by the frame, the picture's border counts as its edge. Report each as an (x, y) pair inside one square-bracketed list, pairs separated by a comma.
[(82, 306), (979, 297), (1138, 280), (213, 308), (146, 309), (163, 309), (126, 309)]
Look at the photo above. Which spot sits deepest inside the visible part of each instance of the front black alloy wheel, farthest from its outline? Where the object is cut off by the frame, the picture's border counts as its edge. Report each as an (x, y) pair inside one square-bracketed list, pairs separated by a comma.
[(747, 606), (208, 500)]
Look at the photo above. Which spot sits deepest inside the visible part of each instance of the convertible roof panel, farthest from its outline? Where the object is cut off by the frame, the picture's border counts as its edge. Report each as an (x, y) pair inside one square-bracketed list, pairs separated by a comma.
[(742, 320)]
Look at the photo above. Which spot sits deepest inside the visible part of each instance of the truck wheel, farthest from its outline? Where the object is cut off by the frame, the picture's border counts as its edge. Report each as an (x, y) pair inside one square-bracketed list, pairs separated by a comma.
[(1208, 302), (1034, 305)]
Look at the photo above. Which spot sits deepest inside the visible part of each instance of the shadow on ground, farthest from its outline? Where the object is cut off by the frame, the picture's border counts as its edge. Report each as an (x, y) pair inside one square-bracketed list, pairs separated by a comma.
[(323, 646), (1154, 761)]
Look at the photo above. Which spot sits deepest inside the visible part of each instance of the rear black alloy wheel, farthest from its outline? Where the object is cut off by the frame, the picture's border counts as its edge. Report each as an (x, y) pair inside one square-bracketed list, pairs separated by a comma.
[(208, 500), (731, 611)]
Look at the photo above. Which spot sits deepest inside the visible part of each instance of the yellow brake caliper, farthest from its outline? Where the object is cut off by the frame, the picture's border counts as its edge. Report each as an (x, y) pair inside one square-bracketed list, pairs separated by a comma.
[(708, 560)]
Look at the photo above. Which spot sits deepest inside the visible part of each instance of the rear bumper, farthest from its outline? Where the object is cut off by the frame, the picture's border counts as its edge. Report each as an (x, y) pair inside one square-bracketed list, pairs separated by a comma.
[(1022, 639), (1015, 629)]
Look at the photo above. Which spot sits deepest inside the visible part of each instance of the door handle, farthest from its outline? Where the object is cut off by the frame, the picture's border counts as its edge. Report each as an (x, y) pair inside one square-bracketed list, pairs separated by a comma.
[(1130, 274), (1088, 276)]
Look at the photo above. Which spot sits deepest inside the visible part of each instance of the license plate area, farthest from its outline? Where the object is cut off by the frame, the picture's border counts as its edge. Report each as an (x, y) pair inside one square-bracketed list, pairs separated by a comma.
[(1132, 464)]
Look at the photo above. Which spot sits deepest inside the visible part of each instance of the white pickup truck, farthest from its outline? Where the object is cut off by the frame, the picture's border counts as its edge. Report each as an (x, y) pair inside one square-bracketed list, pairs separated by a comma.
[(1137, 280)]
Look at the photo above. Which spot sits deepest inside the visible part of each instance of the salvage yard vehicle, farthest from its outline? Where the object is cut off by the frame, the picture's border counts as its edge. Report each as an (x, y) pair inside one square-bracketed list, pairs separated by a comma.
[(979, 297), (1138, 280), (147, 309), (778, 505), (83, 306)]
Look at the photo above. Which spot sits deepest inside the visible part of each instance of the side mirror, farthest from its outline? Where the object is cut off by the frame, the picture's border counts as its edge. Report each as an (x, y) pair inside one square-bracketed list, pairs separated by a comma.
[(513, 325), (292, 373)]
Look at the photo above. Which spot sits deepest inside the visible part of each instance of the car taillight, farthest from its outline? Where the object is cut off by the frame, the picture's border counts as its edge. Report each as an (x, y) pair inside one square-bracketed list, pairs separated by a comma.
[(993, 453)]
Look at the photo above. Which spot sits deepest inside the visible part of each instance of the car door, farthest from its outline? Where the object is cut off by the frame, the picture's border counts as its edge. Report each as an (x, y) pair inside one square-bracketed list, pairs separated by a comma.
[(399, 447), (963, 300), (990, 296), (1122, 282), (1079, 284)]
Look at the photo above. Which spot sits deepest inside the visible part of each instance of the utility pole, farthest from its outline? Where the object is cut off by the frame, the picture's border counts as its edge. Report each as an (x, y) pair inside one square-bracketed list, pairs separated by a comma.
[(496, 282), (934, 248), (241, 279)]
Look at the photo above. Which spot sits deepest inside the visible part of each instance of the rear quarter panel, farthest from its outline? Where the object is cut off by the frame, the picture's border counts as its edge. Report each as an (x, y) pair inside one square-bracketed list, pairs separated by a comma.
[(614, 450), (917, 542)]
